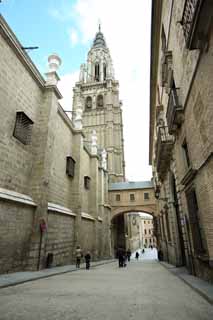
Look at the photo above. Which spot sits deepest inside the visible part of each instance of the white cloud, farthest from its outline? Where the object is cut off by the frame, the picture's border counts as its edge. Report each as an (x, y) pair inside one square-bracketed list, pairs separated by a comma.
[(65, 85), (126, 27), (73, 37)]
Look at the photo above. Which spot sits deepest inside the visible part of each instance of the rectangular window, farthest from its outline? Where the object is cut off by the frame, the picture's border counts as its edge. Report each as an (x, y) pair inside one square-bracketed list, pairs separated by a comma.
[(23, 128), (146, 196), (87, 182), (194, 221), (117, 197), (70, 167), (132, 197), (186, 153)]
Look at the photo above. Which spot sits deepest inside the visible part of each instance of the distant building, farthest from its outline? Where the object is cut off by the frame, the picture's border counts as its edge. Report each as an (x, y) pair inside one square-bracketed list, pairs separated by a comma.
[(147, 230), (140, 231)]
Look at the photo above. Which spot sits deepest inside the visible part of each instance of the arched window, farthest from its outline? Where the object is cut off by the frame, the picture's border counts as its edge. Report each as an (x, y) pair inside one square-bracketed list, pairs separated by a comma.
[(100, 101), (88, 104), (97, 72), (104, 70)]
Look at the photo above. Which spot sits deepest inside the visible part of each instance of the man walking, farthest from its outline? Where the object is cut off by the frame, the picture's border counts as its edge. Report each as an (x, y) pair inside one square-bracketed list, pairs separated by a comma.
[(78, 255)]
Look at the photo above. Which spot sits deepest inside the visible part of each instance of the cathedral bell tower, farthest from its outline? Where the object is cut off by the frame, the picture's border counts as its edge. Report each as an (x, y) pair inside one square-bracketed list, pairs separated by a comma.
[(97, 94)]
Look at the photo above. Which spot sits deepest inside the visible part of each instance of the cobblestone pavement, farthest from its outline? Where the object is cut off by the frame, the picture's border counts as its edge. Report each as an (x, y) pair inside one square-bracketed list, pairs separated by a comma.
[(143, 290)]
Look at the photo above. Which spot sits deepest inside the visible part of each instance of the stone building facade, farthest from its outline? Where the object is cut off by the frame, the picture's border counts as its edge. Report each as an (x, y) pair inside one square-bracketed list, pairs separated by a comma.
[(127, 200), (134, 232), (53, 185), (140, 231), (181, 131), (97, 94), (147, 231)]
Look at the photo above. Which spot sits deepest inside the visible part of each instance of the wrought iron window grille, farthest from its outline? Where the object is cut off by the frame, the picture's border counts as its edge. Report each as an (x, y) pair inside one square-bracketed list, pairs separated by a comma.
[(23, 128)]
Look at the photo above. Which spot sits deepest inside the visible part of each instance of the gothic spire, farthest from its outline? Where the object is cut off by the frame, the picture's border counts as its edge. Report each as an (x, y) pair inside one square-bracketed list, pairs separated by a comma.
[(99, 40)]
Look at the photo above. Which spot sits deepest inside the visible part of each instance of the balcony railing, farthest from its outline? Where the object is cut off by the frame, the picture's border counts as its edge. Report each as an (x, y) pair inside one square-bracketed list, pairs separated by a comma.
[(196, 20), (174, 114), (164, 147)]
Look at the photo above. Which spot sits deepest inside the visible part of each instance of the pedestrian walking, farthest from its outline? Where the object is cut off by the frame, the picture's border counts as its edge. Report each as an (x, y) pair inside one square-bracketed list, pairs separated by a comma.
[(121, 257), (78, 255), (136, 255), (87, 260), (128, 253), (143, 251)]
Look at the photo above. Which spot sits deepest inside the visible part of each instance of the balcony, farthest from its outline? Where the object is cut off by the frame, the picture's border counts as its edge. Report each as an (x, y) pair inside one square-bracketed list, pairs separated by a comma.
[(174, 114), (196, 20), (164, 148)]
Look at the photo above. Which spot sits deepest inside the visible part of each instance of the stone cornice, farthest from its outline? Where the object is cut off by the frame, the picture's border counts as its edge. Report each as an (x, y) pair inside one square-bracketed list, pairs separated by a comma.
[(58, 208), (55, 89), (66, 119), (87, 216), (16, 196), (155, 39), (16, 46)]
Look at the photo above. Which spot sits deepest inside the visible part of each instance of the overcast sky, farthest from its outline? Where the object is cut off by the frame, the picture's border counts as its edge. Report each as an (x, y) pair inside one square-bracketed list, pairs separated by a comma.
[(68, 28)]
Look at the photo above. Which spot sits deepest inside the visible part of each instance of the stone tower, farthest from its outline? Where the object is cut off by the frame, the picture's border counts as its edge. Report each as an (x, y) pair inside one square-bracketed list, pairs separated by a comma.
[(97, 94)]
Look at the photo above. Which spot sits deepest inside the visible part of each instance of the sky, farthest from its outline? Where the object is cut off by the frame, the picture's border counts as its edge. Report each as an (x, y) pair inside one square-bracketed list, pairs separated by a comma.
[(68, 27)]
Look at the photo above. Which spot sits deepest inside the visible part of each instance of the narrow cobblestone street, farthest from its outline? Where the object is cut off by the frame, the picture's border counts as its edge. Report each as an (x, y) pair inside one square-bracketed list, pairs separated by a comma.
[(144, 290)]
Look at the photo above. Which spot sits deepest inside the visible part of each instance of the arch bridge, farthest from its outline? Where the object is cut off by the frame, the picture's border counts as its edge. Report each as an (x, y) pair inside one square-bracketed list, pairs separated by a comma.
[(128, 197)]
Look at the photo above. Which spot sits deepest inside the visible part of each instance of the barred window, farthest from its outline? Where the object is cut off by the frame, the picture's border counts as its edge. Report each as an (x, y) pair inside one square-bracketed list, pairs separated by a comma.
[(146, 196), (87, 182), (132, 197), (188, 16), (23, 128), (118, 197), (70, 167)]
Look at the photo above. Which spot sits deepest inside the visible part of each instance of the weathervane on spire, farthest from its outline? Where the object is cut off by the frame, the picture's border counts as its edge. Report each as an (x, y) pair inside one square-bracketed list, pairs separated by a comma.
[(99, 25)]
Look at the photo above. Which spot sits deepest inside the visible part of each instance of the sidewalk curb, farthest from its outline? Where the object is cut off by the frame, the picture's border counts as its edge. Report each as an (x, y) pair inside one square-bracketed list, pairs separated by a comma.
[(194, 288), (15, 283)]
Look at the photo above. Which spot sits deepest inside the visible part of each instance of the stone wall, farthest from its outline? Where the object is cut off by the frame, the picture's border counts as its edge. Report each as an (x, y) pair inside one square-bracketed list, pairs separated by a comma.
[(15, 156), (15, 231), (88, 241), (37, 171), (60, 184), (192, 73), (60, 238)]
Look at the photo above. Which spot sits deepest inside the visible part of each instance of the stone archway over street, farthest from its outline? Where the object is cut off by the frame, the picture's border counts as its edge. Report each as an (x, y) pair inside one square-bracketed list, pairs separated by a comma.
[(126, 197)]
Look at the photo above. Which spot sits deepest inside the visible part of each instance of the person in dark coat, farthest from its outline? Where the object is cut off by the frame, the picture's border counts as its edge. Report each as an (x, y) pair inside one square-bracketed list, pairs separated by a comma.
[(136, 255), (121, 257), (87, 258), (128, 253)]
